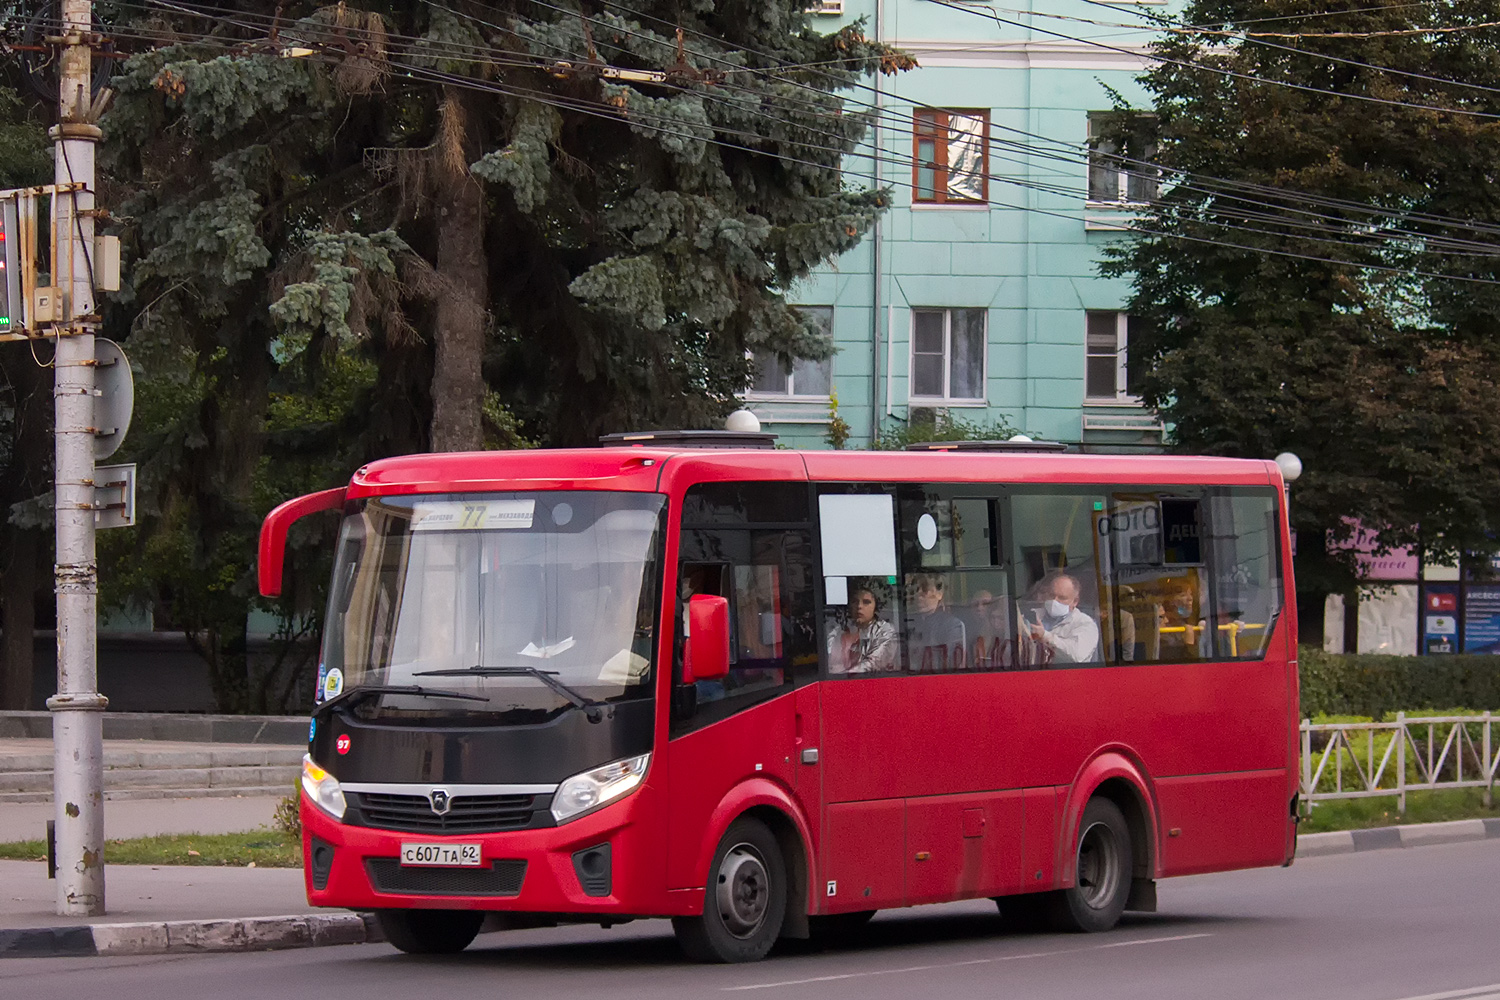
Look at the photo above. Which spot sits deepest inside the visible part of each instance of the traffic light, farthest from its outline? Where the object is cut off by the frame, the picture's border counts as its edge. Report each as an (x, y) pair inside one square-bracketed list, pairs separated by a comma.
[(10, 268)]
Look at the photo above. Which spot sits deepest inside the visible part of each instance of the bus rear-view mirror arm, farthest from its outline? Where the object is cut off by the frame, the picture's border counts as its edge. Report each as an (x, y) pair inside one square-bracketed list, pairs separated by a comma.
[(273, 531), (708, 639)]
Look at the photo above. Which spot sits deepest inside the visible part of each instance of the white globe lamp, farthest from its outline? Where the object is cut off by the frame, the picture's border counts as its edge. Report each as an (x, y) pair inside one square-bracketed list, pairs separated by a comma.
[(1290, 466), (742, 422)]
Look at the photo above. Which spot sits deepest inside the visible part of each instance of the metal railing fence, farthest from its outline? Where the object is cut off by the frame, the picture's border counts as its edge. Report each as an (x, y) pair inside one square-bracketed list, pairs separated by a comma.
[(1357, 760)]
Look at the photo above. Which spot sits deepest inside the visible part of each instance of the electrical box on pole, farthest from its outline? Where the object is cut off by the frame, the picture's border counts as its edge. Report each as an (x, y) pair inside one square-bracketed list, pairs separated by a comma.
[(10, 266)]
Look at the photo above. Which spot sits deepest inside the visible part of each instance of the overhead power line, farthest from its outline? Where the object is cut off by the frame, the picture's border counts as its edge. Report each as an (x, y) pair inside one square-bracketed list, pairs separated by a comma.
[(583, 107), (1203, 67)]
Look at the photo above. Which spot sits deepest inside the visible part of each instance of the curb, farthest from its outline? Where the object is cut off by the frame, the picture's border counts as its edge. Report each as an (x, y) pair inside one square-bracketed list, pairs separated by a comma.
[(191, 936), (1312, 845)]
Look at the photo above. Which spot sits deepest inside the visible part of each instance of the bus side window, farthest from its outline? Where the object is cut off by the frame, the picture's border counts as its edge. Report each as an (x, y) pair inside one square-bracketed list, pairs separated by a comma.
[(857, 538), (766, 576), (955, 586), (1244, 546), (1160, 601), (1061, 575)]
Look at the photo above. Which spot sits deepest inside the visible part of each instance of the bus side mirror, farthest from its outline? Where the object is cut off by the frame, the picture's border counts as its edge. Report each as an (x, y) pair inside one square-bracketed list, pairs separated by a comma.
[(708, 639), (273, 531)]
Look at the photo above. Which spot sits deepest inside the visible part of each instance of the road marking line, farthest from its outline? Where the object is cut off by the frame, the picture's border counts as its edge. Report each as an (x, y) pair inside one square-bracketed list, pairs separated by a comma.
[(983, 961), (1175, 937), (1490, 992)]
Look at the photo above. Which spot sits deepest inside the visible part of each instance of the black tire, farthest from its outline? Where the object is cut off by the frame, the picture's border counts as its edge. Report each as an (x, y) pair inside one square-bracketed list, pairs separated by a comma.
[(430, 932), (744, 903), (1103, 872)]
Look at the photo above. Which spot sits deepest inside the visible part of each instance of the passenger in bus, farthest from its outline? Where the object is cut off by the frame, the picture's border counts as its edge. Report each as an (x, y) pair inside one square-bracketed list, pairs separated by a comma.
[(992, 646), (1063, 633), (1181, 624), (864, 643), (934, 636)]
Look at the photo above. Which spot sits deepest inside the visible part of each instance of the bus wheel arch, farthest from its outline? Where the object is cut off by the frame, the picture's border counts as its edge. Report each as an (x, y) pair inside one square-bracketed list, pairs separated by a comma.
[(794, 858), (769, 804), (745, 898), (1117, 777)]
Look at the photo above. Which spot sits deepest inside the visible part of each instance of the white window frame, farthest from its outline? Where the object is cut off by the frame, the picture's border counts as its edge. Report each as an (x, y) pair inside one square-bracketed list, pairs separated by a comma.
[(791, 395), (947, 398), (1122, 342), (1123, 175)]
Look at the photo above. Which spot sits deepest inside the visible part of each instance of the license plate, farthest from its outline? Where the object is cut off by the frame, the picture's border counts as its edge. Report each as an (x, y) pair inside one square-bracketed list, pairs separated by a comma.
[(441, 855)]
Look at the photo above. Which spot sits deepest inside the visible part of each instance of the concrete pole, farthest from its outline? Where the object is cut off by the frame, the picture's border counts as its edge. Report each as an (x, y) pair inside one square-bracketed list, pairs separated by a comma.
[(77, 720)]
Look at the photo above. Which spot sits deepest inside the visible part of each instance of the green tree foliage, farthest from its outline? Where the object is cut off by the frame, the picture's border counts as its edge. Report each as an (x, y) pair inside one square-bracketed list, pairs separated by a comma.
[(1372, 363), (424, 225)]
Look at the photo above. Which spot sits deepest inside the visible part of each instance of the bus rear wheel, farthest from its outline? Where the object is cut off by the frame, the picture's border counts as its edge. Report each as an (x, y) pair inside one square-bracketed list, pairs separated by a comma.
[(744, 903), (430, 932), (1103, 871)]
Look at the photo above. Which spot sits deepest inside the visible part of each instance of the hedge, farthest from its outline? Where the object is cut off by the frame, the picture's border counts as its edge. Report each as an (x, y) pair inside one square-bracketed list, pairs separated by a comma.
[(1378, 686)]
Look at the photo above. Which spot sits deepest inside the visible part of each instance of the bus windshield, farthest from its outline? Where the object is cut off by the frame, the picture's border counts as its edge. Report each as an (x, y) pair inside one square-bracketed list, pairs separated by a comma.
[(465, 592)]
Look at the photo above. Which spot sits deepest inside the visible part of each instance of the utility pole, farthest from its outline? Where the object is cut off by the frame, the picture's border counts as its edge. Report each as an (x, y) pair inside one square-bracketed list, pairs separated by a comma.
[(77, 720)]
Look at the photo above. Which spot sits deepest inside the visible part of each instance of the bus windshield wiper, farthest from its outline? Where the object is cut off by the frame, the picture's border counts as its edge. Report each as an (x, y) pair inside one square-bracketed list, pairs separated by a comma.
[(593, 710), (359, 694)]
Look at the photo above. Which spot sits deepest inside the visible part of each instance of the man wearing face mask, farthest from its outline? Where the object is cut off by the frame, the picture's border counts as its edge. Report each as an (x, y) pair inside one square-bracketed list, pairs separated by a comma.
[(1065, 634)]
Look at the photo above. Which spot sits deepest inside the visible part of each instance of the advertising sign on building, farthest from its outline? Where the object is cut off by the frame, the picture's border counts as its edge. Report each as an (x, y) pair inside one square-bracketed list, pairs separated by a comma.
[(1482, 620), (1370, 562), (1440, 619)]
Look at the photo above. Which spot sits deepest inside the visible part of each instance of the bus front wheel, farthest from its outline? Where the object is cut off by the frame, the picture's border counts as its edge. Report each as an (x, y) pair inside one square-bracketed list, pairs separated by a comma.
[(1102, 883), (744, 902), (430, 932)]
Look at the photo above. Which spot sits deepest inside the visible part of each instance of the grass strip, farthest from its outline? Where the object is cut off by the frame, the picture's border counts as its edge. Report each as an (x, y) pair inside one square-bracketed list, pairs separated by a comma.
[(1436, 806), (262, 848)]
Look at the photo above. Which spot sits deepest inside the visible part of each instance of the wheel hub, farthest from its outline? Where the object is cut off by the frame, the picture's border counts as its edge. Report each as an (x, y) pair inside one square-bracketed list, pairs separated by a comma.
[(1099, 870), (743, 891)]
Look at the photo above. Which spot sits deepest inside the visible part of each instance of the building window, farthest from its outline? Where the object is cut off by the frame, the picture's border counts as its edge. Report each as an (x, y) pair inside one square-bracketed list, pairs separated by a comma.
[(950, 153), (947, 354), (1118, 145), (774, 377), (1107, 375)]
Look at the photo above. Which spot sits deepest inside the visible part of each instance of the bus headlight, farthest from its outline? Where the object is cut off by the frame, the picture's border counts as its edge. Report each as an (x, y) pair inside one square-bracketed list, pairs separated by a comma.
[(323, 788), (591, 789)]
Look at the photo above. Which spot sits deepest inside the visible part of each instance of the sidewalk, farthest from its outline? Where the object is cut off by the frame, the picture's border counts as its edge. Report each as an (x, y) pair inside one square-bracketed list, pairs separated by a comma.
[(144, 893), (147, 817)]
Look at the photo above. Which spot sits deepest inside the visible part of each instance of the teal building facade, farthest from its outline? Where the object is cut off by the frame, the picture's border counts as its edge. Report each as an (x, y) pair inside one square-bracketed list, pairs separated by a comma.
[(978, 294)]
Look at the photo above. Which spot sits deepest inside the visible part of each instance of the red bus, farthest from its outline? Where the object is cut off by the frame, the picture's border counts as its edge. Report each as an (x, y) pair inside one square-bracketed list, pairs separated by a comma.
[(766, 693)]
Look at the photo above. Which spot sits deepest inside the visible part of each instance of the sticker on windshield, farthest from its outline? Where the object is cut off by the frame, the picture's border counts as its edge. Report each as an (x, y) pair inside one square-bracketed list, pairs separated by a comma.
[(322, 679), (333, 684), (478, 515)]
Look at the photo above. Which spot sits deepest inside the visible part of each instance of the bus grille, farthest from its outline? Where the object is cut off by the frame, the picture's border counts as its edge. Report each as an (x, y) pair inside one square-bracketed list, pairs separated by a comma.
[(466, 813), (501, 878)]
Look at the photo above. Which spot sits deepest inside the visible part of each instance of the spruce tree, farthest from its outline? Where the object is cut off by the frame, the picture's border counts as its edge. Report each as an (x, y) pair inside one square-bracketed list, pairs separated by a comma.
[(420, 225)]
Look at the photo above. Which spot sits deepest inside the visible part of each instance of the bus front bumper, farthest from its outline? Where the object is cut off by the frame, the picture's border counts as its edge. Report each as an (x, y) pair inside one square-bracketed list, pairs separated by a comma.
[(594, 865)]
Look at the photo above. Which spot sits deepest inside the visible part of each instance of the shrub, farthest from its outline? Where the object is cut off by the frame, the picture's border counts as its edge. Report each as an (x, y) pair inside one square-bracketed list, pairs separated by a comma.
[(287, 819), (1379, 686), (943, 427)]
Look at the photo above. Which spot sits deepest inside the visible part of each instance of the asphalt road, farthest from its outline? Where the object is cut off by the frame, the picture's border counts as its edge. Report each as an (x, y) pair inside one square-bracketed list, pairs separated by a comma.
[(1382, 925)]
